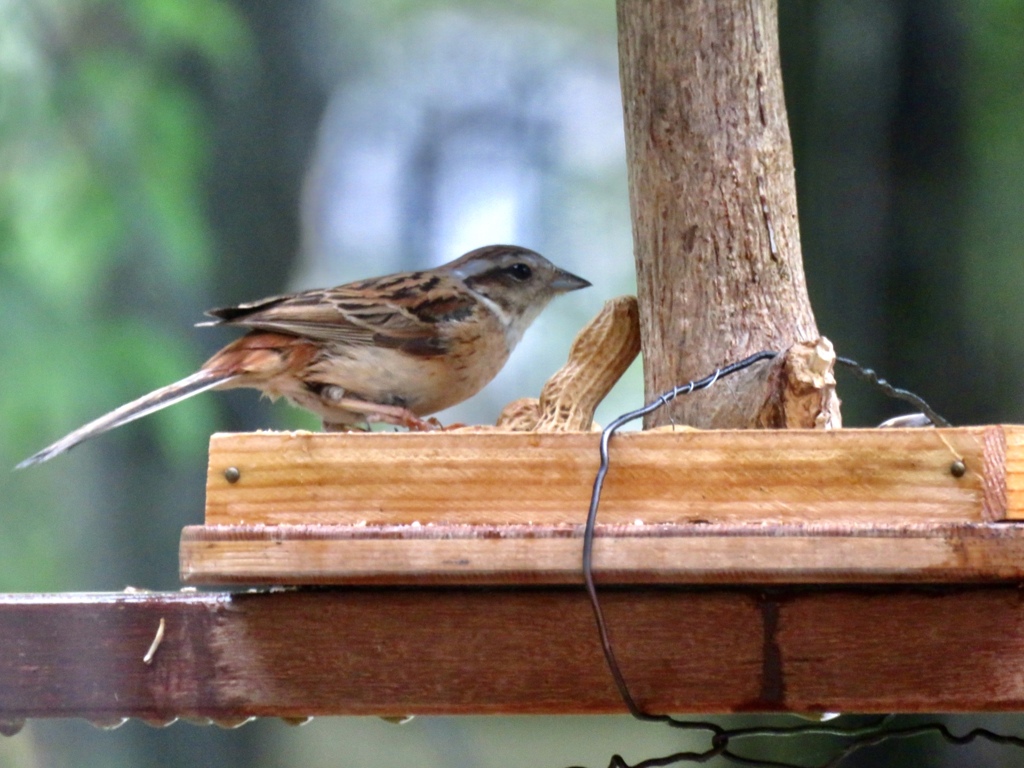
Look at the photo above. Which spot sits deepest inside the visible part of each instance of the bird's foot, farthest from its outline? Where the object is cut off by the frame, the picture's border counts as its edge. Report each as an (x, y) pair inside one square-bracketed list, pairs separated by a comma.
[(415, 423)]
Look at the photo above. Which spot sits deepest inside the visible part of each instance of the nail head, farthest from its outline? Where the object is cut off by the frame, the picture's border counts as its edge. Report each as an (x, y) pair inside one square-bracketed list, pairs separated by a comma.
[(232, 475), (958, 468)]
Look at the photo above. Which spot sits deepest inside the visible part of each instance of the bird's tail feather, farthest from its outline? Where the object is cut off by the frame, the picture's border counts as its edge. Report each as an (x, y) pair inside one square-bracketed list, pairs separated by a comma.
[(161, 398)]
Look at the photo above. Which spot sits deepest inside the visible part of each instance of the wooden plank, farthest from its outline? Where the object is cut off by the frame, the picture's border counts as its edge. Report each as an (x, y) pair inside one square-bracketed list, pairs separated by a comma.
[(362, 651), (1012, 442), (502, 555), (730, 477)]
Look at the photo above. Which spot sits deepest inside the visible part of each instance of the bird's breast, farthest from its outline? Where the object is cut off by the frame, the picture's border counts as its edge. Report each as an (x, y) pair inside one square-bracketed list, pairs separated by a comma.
[(424, 384)]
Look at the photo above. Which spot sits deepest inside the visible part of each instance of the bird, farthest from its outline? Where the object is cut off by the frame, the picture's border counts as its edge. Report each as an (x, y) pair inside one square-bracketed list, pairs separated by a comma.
[(392, 349)]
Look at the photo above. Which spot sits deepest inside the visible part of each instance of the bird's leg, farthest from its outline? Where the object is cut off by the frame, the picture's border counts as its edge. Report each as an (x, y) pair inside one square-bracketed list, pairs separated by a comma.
[(334, 397), (387, 414)]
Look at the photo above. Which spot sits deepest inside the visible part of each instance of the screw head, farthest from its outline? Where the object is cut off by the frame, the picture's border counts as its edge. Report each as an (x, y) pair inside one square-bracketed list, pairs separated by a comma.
[(232, 475), (958, 468)]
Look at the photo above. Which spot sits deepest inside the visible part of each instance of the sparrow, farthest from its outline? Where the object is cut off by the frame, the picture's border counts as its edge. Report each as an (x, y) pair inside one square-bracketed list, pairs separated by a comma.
[(390, 349)]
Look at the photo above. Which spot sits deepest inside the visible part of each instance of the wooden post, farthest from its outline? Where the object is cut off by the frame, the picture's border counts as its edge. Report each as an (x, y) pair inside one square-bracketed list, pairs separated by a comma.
[(713, 198)]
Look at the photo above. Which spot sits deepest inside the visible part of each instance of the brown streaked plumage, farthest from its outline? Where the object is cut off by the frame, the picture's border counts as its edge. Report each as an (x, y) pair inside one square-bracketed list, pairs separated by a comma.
[(392, 349)]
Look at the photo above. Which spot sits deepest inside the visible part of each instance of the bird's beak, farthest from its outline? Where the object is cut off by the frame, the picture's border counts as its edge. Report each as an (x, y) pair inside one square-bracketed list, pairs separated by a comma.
[(567, 281)]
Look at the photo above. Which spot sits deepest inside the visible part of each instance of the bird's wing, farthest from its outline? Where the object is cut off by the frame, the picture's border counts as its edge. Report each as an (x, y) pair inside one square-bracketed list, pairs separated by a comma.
[(397, 311)]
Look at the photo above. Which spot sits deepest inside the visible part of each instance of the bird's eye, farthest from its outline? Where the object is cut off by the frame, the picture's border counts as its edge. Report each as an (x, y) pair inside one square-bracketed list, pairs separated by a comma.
[(520, 271)]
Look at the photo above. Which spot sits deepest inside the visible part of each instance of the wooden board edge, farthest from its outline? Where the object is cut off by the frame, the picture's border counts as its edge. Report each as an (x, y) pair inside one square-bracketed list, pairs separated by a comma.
[(666, 554), (371, 651), (1010, 476)]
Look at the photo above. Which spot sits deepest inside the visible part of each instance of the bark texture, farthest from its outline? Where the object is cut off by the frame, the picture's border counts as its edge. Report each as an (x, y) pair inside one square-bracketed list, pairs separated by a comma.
[(713, 197)]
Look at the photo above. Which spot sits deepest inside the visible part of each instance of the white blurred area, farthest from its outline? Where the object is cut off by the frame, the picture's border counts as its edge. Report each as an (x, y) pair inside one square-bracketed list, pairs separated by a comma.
[(464, 131)]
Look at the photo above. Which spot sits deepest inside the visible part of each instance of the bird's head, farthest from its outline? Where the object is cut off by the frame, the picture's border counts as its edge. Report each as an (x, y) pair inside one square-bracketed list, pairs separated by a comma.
[(515, 283)]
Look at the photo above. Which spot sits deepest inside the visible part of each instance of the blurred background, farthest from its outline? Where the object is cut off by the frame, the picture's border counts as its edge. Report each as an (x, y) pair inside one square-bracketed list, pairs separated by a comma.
[(158, 157)]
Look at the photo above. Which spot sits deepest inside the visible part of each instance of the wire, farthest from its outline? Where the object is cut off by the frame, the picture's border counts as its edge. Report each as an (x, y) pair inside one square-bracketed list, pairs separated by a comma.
[(595, 500), (868, 375)]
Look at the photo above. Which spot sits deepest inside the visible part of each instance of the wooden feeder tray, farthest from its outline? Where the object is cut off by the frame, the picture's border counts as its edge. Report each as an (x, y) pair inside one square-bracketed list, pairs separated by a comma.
[(499, 508)]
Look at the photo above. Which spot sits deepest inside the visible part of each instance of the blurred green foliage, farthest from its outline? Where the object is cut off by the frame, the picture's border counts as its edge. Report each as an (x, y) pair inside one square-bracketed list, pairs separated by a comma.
[(993, 237), (103, 161)]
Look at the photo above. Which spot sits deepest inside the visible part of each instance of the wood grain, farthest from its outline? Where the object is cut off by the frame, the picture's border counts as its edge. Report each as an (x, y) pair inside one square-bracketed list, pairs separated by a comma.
[(666, 554), (363, 651), (842, 477), (1011, 444)]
